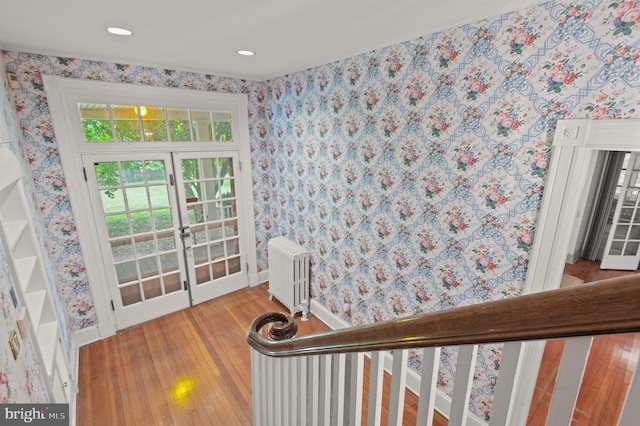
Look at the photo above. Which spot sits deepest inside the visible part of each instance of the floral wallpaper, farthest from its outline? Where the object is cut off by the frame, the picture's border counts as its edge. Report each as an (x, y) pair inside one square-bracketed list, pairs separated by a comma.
[(20, 378), (413, 173)]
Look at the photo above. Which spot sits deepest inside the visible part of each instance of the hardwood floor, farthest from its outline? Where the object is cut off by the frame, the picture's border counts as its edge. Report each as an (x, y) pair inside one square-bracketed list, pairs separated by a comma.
[(192, 368), (188, 368), (609, 369)]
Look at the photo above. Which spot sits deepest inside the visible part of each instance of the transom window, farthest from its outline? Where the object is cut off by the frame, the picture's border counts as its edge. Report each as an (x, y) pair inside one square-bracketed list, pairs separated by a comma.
[(143, 123)]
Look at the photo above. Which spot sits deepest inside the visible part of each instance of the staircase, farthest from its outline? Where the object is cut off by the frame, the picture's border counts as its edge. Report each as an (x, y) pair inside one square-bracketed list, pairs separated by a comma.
[(320, 379)]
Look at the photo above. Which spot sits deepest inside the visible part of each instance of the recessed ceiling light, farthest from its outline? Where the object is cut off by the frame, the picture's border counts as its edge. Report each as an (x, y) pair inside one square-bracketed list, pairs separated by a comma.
[(120, 31), (246, 52)]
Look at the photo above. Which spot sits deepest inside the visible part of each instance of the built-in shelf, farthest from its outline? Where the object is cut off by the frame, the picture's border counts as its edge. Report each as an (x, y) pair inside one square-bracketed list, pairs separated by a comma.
[(33, 289), (48, 337), (15, 230)]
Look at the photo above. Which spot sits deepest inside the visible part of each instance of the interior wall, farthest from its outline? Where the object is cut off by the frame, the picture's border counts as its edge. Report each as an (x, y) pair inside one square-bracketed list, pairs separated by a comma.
[(414, 173), (21, 380)]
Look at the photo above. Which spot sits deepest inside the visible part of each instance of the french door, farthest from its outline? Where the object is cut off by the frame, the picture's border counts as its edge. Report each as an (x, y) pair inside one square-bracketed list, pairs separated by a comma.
[(622, 250), (168, 229)]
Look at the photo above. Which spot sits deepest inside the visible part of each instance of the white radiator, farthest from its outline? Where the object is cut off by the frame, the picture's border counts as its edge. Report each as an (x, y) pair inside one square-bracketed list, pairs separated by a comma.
[(289, 275)]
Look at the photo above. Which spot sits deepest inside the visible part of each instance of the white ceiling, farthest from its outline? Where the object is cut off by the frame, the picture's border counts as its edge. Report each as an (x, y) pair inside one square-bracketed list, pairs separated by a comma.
[(203, 36)]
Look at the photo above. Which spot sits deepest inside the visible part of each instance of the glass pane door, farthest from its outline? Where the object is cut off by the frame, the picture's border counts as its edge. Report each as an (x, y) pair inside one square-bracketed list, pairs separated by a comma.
[(207, 189), (138, 221), (623, 243)]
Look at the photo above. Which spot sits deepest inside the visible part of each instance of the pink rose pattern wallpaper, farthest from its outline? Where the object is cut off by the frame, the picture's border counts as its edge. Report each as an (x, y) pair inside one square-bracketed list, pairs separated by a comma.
[(20, 379), (413, 173)]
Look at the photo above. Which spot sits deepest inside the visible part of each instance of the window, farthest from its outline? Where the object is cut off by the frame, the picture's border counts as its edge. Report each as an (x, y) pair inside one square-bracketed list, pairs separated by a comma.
[(142, 123)]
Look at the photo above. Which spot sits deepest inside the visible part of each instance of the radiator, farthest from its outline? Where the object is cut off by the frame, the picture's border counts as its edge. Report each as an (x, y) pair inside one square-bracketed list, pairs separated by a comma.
[(289, 275)]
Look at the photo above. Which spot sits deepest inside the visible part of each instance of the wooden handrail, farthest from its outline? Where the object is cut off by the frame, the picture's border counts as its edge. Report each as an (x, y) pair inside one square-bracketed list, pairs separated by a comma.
[(603, 307)]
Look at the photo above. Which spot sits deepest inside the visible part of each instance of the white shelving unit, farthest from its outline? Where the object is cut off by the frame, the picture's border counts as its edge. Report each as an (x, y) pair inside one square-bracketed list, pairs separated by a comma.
[(32, 287)]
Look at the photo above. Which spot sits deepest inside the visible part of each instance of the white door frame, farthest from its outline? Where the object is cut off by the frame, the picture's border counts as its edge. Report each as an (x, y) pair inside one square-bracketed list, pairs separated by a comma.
[(575, 144), (64, 94)]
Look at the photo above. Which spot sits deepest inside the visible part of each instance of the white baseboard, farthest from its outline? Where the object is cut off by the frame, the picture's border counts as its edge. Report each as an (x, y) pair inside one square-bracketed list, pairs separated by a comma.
[(87, 335), (263, 277), (443, 401)]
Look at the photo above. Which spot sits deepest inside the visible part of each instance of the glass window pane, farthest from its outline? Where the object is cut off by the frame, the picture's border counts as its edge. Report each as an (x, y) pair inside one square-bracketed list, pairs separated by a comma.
[(201, 120), (159, 195), (162, 219), (152, 288), (125, 123), (148, 267), (126, 271), (621, 232), (635, 232), (217, 250), (630, 198), (145, 245), (112, 200), (137, 198), (172, 283), (222, 126), (154, 126), (213, 211), (196, 215), (141, 222), (229, 209), (166, 242), (625, 215), (200, 255), (231, 228), (122, 250), (200, 236), (108, 174), (215, 233), (234, 265), (632, 248), (228, 188), (202, 274), (219, 269), (117, 225), (95, 122), (132, 172), (616, 248), (130, 295), (179, 129), (233, 246), (190, 170), (208, 168), (155, 171), (211, 188)]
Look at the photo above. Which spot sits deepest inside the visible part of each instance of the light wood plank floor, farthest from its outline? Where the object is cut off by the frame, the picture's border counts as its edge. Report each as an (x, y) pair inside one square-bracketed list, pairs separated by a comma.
[(192, 368), (188, 368), (609, 369)]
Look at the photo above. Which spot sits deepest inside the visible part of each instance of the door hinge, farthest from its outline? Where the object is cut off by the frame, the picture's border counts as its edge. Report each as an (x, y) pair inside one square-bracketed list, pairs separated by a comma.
[(113, 308), (171, 181), (84, 172), (240, 165), (186, 285), (247, 265)]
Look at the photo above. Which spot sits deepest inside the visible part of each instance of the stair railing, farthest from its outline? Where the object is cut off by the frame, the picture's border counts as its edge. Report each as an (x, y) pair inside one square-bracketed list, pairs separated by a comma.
[(318, 379)]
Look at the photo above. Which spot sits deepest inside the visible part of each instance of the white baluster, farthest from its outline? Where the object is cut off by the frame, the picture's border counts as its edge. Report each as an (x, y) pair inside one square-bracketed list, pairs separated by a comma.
[(504, 385), (631, 408), (428, 385), (565, 393), (465, 367), (398, 386), (376, 373), (356, 377), (302, 400), (337, 389), (314, 389), (325, 390)]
